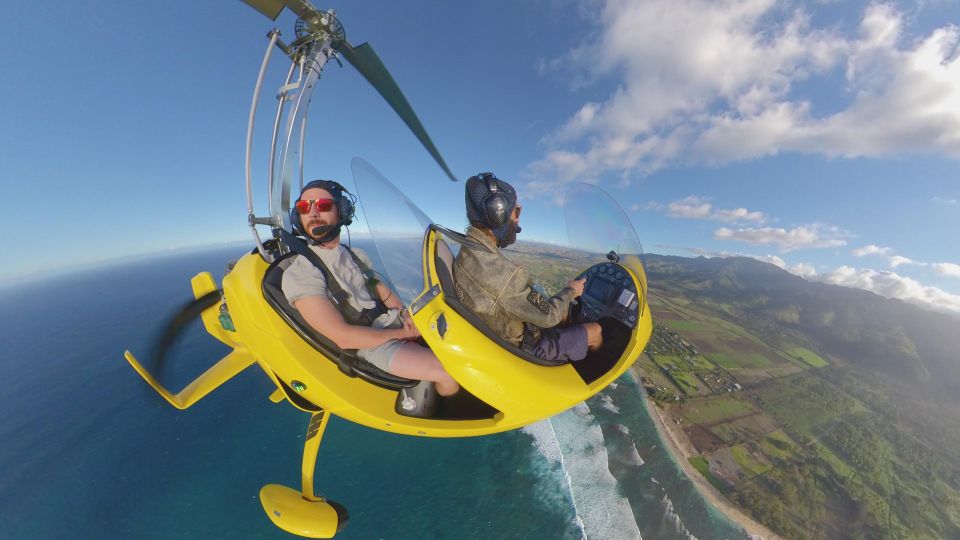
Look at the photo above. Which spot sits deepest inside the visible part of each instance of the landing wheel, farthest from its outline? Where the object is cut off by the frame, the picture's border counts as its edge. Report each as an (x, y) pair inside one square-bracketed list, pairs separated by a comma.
[(292, 512)]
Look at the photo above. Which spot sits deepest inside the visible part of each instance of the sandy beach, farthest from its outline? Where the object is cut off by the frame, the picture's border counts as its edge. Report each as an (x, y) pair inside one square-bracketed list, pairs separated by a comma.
[(681, 449)]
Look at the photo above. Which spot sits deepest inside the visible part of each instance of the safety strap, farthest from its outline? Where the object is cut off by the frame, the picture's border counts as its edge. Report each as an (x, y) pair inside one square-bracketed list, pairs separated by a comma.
[(341, 297)]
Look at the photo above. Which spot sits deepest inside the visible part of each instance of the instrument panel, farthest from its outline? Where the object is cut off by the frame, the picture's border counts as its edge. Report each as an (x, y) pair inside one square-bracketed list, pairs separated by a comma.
[(609, 292)]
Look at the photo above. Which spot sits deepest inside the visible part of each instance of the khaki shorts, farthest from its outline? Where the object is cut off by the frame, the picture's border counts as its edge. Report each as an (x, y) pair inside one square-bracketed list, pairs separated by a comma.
[(382, 355)]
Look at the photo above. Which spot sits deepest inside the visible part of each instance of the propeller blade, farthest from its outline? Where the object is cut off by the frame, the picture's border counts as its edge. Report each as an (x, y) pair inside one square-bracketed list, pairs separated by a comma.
[(187, 313), (273, 8), (366, 61)]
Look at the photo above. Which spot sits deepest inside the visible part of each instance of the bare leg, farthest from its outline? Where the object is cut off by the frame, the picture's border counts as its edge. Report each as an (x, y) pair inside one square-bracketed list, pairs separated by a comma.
[(594, 335), (415, 362)]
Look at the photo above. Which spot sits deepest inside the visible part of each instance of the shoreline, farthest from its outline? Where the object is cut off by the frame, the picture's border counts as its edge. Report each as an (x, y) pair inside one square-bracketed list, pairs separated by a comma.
[(680, 450)]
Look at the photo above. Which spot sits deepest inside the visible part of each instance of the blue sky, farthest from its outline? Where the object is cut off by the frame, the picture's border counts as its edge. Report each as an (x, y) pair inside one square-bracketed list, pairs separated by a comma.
[(823, 137)]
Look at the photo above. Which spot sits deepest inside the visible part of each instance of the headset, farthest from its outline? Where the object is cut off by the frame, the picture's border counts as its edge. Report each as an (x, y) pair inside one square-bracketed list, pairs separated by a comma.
[(495, 205), (343, 199)]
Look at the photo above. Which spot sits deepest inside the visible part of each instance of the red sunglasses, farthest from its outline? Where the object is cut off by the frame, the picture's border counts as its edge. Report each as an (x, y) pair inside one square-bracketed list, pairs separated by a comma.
[(322, 205)]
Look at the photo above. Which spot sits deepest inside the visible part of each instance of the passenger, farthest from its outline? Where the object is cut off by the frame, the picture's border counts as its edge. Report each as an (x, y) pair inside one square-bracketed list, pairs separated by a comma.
[(367, 315), (501, 291)]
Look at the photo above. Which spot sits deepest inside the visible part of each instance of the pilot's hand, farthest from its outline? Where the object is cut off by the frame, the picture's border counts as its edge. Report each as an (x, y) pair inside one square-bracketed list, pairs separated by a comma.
[(409, 330), (577, 286)]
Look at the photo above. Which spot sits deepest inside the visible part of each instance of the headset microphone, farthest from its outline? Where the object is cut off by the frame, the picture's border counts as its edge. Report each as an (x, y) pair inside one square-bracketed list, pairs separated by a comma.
[(321, 230)]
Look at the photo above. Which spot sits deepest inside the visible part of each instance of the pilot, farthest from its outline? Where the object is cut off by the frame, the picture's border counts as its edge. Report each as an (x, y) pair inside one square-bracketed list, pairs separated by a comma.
[(359, 312), (502, 293)]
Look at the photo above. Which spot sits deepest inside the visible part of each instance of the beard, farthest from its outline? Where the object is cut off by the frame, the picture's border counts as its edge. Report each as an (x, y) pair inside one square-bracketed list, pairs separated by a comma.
[(511, 235)]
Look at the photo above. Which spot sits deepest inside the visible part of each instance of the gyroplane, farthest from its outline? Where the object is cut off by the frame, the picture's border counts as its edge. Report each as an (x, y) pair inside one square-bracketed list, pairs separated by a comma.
[(509, 387)]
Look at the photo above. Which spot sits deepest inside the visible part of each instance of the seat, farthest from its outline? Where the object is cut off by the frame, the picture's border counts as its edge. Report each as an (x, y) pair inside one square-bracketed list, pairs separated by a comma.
[(597, 362), (444, 263), (347, 360)]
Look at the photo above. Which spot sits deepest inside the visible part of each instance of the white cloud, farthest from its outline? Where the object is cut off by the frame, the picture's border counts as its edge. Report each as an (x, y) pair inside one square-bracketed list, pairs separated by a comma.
[(897, 260), (893, 285), (947, 269), (740, 214), (806, 236), (892, 259), (804, 270), (871, 250), (712, 82), (694, 207), (946, 201)]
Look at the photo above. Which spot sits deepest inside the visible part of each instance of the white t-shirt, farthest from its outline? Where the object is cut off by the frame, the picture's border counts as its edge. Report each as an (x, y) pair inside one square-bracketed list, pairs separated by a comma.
[(302, 279)]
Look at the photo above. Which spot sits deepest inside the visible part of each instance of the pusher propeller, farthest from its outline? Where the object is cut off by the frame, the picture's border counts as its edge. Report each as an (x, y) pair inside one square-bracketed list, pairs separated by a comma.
[(187, 313)]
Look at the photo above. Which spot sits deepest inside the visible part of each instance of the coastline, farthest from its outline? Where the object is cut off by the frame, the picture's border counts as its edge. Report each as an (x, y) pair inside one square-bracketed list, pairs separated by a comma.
[(680, 448)]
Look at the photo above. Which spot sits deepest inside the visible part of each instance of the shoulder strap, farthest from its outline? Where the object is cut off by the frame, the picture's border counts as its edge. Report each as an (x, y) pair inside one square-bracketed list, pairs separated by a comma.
[(371, 284), (339, 296)]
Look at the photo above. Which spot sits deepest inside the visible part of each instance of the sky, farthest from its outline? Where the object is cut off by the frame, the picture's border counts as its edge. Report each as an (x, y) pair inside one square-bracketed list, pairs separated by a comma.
[(823, 137)]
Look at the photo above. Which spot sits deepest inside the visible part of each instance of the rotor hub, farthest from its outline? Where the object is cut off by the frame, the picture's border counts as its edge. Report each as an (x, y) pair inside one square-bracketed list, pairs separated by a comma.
[(319, 25)]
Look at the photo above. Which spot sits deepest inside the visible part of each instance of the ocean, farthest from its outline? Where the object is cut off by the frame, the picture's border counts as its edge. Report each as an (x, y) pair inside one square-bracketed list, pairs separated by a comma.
[(87, 450)]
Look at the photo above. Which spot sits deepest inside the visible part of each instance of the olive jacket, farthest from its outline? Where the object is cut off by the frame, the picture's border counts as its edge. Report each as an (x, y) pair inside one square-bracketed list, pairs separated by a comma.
[(501, 292)]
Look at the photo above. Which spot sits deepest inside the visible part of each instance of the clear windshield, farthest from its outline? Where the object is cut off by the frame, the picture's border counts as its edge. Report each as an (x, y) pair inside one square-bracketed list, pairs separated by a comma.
[(596, 225), (397, 227)]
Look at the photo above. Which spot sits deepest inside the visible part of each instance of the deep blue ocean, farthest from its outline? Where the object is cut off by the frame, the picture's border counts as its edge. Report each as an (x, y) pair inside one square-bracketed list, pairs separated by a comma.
[(87, 450)]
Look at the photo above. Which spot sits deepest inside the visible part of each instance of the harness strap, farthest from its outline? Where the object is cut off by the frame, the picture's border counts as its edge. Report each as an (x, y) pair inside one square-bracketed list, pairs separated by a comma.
[(340, 297), (370, 283)]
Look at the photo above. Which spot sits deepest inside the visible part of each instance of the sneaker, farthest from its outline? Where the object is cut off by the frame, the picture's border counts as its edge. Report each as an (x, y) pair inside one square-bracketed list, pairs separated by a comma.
[(419, 401)]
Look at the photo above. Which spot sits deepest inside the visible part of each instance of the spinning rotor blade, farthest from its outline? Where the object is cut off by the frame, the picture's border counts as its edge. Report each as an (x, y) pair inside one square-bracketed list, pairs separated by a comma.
[(366, 61)]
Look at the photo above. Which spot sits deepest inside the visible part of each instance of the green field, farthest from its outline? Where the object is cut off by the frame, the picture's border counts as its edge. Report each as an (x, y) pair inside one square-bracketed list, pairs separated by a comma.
[(687, 326), (802, 403), (840, 467), (748, 462), (649, 369), (746, 429), (687, 381), (808, 356), (778, 444), (724, 360), (701, 465), (755, 360), (669, 361), (715, 410), (699, 363)]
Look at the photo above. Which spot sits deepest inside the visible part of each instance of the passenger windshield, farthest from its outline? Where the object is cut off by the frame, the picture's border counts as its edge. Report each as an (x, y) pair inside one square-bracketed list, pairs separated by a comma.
[(595, 224), (397, 227)]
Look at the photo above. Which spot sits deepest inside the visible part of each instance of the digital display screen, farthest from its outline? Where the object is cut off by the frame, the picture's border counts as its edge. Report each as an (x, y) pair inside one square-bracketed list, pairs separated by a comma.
[(602, 290)]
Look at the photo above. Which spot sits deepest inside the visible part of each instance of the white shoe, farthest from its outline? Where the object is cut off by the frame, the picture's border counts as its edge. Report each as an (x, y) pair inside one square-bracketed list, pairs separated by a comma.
[(419, 400)]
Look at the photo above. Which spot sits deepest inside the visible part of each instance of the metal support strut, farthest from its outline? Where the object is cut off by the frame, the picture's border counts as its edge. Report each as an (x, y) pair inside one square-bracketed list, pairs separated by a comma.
[(311, 445)]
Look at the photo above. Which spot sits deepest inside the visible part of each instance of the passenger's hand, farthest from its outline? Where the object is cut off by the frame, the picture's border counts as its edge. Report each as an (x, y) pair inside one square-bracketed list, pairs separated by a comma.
[(577, 286), (409, 330)]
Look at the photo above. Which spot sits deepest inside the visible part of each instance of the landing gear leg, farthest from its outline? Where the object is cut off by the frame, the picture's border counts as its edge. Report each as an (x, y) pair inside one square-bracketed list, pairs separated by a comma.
[(303, 513)]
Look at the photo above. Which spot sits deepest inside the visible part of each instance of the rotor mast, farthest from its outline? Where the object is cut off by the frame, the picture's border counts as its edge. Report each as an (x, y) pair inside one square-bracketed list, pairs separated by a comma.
[(317, 35), (319, 38)]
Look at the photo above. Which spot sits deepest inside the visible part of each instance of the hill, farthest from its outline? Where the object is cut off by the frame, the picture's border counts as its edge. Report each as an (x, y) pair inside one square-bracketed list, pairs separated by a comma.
[(826, 412)]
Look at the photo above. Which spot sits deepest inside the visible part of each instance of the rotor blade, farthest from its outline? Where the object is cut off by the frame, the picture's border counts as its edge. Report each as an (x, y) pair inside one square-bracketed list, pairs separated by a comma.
[(369, 65), (273, 8)]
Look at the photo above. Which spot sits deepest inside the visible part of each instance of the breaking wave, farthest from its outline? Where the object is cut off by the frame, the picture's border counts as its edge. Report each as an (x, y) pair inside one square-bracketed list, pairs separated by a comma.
[(671, 515), (574, 435)]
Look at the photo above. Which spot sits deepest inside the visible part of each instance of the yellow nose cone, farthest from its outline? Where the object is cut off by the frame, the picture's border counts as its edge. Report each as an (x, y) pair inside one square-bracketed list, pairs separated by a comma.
[(289, 510)]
